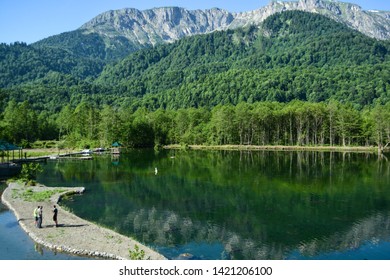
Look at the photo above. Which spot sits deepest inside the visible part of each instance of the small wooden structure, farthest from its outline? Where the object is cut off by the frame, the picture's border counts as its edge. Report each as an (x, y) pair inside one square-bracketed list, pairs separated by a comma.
[(8, 165), (6, 148), (116, 148)]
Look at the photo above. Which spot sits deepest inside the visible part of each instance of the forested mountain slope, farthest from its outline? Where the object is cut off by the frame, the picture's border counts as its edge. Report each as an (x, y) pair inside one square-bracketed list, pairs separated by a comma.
[(21, 63), (292, 55)]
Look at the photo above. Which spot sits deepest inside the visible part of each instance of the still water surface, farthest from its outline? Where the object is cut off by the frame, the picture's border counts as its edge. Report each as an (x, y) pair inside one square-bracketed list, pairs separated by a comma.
[(237, 205)]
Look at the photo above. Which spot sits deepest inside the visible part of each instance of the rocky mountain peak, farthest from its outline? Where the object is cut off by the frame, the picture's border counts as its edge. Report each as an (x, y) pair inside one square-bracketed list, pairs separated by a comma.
[(375, 24), (158, 25), (115, 34)]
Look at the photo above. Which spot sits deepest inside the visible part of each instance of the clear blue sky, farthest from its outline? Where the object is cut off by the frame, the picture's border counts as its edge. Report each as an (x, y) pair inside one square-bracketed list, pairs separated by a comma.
[(32, 20)]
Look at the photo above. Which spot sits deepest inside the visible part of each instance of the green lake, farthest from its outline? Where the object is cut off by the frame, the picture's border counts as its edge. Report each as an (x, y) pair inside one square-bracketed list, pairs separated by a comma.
[(237, 204)]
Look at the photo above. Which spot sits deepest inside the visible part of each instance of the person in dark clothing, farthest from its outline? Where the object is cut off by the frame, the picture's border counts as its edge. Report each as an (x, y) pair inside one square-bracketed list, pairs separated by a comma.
[(40, 216), (55, 212)]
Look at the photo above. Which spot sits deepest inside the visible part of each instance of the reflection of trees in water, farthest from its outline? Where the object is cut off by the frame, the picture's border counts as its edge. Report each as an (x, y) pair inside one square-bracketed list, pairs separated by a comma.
[(258, 205), (169, 229), (101, 169), (320, 168)]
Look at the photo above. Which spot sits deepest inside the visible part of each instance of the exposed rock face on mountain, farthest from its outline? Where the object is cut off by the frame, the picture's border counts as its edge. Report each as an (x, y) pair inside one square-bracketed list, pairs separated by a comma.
[(159, 25), (375, 24), (115, 34)]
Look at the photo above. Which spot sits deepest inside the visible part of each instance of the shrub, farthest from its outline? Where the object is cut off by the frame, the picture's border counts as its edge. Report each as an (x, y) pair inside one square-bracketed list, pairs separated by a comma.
[(136, 254), (29, 173)]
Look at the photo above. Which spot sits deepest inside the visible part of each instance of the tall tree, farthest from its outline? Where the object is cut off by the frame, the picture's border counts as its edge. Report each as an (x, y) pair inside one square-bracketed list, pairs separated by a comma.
[(20, 123), (381, 119)]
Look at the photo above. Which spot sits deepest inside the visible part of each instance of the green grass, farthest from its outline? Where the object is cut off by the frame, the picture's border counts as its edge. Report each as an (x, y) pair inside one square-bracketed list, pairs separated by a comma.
[(35, 196)]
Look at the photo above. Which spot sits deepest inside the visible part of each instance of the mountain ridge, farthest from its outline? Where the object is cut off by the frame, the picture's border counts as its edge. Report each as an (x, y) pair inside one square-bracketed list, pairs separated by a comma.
[(161, 24), (375, 24), (121, 32)]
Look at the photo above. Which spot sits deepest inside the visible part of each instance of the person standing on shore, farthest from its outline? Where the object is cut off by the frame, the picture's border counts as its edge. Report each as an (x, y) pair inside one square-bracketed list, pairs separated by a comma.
[(36, 215), (55, 212), (40, 216)]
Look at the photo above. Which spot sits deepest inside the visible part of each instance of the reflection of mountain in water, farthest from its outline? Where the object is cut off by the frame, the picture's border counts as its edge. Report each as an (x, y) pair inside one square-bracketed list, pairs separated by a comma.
[(169, 229), (374, 228), (166, 229)]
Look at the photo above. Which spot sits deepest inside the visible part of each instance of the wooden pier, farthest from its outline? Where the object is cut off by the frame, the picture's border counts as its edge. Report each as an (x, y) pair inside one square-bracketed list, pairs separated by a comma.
[(70, 156)]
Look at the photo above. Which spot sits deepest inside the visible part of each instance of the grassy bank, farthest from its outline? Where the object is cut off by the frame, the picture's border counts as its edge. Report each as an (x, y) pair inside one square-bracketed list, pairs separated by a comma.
[(370, 149), (39, 152)]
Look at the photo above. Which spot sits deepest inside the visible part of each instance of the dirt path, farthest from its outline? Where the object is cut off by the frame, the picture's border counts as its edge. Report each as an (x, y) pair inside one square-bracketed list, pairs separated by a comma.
[(73, 235)]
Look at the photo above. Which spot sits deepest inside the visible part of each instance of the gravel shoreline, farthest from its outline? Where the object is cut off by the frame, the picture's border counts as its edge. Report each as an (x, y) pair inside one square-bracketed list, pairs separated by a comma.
[(73, 235)]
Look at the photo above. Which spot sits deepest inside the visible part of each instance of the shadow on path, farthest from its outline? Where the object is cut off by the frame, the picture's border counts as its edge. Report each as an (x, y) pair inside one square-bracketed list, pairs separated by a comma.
[(65, 225)]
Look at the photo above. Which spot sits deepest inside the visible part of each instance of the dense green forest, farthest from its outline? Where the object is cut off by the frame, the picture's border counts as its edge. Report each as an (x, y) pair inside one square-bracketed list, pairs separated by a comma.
[(83, 43), (297, 79), (261, 123), (21, 63)]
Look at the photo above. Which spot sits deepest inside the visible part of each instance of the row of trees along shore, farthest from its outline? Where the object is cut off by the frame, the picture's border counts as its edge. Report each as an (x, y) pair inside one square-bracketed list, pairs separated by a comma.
[(262, 123)]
